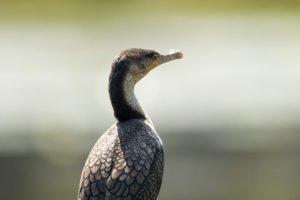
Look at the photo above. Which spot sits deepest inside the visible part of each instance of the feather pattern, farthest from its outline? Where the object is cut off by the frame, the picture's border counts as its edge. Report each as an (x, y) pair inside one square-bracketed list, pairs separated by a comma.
[(125, 163)]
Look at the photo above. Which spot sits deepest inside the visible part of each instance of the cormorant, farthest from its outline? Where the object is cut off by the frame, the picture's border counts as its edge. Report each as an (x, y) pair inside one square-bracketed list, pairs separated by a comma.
[(128, 159)]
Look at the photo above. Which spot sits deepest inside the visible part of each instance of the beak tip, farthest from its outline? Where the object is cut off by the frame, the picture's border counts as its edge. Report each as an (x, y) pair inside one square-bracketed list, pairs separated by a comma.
[(180, 55)]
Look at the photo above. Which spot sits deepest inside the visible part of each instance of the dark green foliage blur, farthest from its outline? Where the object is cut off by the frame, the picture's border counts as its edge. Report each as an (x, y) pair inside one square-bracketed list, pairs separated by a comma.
[(93, 10)]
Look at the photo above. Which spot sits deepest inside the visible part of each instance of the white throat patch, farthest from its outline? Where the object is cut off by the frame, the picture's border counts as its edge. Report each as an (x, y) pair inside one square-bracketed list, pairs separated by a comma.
[(128, 89)]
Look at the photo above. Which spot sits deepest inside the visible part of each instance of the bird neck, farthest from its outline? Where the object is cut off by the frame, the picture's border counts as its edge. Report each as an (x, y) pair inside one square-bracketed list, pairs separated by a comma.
[(123, 99)]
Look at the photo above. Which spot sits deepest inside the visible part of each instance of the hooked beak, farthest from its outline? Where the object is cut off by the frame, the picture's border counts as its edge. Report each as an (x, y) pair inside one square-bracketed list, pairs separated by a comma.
[(166, 58)]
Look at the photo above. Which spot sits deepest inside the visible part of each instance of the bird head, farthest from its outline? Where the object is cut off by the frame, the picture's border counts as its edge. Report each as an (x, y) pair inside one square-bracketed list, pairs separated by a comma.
[(141, 61)]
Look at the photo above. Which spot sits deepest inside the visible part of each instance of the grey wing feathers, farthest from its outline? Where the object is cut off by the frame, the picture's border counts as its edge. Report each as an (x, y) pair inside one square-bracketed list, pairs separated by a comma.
[(125, 163)]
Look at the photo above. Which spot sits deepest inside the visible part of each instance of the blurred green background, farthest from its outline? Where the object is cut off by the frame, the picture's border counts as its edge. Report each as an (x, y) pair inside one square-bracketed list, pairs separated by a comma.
[(228, 113)]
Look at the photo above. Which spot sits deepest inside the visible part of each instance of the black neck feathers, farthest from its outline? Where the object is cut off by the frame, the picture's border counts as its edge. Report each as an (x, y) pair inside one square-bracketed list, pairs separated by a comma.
[(122, 109)]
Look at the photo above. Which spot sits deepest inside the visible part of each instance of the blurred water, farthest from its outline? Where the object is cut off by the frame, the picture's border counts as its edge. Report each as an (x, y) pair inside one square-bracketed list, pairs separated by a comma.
[(237, 71)]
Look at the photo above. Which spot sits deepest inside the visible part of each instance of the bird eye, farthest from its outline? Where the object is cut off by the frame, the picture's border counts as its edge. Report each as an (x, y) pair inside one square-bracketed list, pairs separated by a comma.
[(155, 56)]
